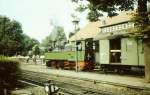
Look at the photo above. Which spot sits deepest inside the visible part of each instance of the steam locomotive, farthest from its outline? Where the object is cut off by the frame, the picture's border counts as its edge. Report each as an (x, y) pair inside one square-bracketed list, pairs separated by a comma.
[(72, 57)]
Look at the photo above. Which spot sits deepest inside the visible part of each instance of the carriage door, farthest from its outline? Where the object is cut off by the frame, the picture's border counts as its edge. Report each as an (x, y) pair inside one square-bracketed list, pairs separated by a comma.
[(89, 53), (129, 51), (115, 51), (104, 51)]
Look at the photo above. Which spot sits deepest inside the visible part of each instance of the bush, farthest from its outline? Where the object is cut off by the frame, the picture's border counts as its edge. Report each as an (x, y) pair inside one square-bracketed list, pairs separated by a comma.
[(9, 73)]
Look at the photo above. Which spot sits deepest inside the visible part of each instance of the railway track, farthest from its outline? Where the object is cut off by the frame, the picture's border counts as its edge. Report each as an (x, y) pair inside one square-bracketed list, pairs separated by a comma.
[(65, 86)]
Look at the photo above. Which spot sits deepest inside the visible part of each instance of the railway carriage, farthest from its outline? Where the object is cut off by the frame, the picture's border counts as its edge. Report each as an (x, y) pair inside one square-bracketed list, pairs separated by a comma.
[(125, 54)]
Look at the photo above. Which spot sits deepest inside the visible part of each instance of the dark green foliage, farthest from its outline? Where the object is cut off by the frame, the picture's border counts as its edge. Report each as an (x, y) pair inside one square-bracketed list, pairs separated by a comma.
[(9, 73), (81, 8), (46, 42), (93, 15), (98, 7), (12, 39), (10, 36), (28, 44), (139, 23), (36, 50)]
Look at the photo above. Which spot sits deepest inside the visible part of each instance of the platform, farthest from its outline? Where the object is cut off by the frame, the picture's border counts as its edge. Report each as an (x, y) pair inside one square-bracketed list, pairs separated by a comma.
[(122, 80)]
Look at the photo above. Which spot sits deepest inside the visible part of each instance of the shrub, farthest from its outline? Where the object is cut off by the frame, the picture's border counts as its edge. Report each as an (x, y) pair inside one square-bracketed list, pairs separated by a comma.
[(9, 73)]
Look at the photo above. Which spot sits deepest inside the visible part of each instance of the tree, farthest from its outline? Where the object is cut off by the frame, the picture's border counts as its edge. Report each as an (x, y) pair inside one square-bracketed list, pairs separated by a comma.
[(36, 50), (10, 36), (46, 44), (61, 37), (12, 39), (98, 7), (56, 39), (111, 6), (28, 43)]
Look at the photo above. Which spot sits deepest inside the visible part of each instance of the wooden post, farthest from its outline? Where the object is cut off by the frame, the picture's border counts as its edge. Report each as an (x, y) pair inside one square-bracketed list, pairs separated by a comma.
[(147, 58)]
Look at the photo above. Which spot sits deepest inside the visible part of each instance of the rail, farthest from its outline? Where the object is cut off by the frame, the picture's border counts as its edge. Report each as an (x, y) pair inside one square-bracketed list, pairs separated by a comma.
[(66, 87)]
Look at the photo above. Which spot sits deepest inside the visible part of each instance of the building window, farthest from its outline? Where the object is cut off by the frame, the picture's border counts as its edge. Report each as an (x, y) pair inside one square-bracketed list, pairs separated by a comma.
[(112, 27), (125, 26), (117, 27), (130, 25), (107, 29), (103, 29), (120, 27)]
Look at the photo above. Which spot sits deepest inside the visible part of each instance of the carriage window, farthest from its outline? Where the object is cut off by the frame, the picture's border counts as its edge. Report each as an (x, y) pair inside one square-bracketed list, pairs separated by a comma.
[(96, 46), (79, 46)]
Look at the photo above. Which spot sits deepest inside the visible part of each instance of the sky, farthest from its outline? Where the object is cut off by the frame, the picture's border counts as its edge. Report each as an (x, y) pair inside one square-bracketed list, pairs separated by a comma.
[(36, 15)]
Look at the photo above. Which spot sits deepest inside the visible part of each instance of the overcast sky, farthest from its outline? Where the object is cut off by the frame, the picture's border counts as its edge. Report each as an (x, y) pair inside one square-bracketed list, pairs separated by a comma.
[(35, 15)]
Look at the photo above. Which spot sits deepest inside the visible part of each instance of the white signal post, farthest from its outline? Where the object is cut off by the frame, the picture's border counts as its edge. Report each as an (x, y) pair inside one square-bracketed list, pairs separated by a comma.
[(75, 22)]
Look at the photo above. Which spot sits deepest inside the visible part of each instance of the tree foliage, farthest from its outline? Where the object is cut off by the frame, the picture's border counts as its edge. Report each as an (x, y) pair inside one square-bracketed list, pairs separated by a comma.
[(36, 50), (56, 39), (46, 42), (28, 44), (10, 36), (98, 7), (12, 39), (9, 72)]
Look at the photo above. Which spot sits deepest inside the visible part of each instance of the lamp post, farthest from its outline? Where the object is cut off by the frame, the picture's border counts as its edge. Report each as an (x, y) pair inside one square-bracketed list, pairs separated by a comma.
[(76, 22), (50, 88)]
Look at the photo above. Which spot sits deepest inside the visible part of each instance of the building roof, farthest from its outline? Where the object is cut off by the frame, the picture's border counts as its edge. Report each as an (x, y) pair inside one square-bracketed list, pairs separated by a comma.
[(122, 17), (92, 30), (125, 16), (89, 31)]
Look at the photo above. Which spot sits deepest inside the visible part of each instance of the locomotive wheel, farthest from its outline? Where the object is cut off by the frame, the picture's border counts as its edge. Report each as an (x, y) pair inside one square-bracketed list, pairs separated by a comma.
[(48, 63)]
